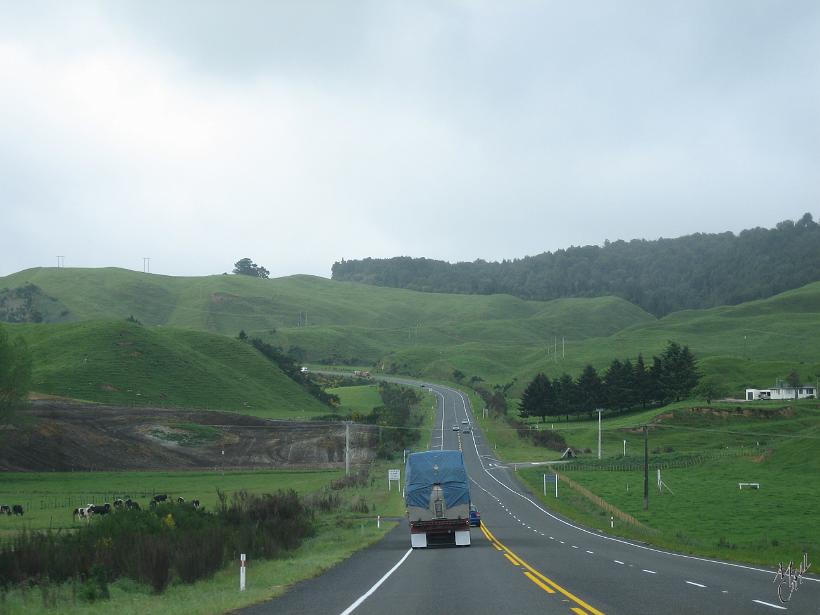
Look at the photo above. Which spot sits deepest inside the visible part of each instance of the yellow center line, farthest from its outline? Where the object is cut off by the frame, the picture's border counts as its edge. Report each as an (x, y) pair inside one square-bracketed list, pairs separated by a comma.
[(546, 580), (543, 586), (575, 609), (512, 559)]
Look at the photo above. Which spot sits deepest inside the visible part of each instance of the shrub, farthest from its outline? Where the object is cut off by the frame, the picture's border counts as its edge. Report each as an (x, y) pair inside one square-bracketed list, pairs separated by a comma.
[(157, 545), (548, 439)]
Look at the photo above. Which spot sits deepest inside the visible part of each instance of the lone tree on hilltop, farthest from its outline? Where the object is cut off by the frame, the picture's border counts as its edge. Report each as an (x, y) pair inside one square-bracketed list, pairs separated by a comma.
[(246, 266)]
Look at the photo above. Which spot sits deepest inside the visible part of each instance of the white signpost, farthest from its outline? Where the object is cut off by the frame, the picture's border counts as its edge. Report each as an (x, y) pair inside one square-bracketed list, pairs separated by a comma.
[(393, 475), (553, 478), (242, 572)]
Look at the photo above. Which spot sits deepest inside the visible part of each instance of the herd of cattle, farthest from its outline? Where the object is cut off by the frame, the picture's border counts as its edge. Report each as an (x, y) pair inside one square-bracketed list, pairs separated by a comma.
[(124, 504), (103, 509)]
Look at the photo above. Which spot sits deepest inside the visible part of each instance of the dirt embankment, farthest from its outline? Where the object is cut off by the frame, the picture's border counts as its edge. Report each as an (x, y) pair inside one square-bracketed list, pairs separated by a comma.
[(64, 437)]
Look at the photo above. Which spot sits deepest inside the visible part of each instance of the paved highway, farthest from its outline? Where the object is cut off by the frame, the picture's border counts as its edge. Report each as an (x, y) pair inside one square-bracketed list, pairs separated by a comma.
[(527, 560)]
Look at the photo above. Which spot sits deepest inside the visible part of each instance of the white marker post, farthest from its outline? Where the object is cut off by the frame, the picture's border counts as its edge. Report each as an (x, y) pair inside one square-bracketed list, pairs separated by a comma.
[(242, 572)]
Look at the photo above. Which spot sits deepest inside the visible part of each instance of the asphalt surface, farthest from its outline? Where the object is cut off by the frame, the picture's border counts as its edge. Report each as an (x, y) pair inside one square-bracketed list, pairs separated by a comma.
[(530, 561)]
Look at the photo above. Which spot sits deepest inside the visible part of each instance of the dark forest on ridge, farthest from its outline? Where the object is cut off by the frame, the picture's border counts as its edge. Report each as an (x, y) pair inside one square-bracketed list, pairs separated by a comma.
[(662, 276)]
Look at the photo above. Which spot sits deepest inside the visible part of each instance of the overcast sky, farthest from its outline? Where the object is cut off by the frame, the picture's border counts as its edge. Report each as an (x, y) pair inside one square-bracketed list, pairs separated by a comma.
[(300, 133)]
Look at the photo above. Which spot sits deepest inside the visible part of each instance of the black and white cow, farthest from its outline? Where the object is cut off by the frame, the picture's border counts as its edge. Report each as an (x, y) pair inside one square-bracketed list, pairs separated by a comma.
[(195, 504), (17, 509), (100, 509), (5, 509), (83, 513)]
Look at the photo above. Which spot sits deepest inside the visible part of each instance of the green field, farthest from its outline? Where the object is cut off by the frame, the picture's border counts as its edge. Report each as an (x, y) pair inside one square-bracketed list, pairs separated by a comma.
[(122, 363), (703, 456), (49, 498), (339, 534), (361, 399)]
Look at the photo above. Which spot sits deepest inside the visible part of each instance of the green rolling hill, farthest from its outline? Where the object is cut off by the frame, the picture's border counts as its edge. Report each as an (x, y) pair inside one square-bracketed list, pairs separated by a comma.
[(496, 337), (122, 363)]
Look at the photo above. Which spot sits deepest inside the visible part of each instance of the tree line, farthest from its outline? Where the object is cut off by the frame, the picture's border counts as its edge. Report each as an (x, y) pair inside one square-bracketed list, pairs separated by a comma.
[(287, 363), (624, 385), (691, 272)]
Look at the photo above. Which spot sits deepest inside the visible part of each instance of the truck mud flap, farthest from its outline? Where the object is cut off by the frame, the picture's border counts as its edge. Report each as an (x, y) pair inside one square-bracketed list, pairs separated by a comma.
[(463, 538), (418, 541)]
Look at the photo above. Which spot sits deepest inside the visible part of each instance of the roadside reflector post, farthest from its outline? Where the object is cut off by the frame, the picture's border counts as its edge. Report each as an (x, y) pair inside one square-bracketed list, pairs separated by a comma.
[(611, 522), (378, 521), (242, 572), (556, 485), (545, 485)]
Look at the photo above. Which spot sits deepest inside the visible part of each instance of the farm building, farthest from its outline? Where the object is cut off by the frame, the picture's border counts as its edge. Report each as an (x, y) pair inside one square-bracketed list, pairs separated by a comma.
[(801, 392)]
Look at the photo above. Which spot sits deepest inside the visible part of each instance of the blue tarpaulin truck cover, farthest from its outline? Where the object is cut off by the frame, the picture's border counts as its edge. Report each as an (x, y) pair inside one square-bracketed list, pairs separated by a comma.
[(445, 468)]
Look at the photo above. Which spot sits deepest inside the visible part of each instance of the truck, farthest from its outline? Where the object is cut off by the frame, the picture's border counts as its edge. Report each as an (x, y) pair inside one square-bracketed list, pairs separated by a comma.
[(437, 496)]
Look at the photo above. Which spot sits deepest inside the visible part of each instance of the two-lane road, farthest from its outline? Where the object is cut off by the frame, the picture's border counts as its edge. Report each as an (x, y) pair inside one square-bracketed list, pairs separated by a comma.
[(528, 560)]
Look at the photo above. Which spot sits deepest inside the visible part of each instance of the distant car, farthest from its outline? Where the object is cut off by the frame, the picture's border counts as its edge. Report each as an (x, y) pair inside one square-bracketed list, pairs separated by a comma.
[(475, 516), (455, 427), (466, 429), (465, 422)]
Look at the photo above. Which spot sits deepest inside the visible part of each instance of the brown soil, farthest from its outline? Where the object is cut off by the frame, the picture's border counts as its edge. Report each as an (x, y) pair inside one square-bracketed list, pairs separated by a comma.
[(64, 436)]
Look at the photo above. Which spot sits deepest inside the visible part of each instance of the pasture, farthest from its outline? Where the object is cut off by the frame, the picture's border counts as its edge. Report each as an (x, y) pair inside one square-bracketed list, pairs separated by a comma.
[(126, 364), (703, 455), (49, 498), (339, 533)]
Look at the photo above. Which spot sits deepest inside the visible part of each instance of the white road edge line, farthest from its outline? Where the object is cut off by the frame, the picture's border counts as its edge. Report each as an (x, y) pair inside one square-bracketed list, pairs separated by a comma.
[(774, 606), (602, 536), (649, 571), (370, 591), (696, 584), (617, 561)]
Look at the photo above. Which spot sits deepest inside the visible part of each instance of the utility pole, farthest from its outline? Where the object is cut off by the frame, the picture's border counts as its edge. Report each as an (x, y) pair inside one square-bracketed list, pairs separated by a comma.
[(563, 343), (645, 468), (599, 432), (347, 448), (60, 262)]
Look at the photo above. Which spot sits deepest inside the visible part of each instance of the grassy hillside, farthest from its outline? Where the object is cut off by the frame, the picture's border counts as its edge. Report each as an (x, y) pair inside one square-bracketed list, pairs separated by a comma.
[(746, 345), (127, 364), (329, 320), (496, 337)]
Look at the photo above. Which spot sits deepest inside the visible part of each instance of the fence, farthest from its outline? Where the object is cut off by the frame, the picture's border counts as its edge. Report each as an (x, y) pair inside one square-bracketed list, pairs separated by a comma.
[(602, 503)]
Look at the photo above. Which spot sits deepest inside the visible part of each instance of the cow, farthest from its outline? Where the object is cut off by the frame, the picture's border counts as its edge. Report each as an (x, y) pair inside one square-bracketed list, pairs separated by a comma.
[(195, 504), (180, 500), (17, 509), (100, 509), (131, 504), (83, 513), (160, 497), (5, 509), (118, 503)]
